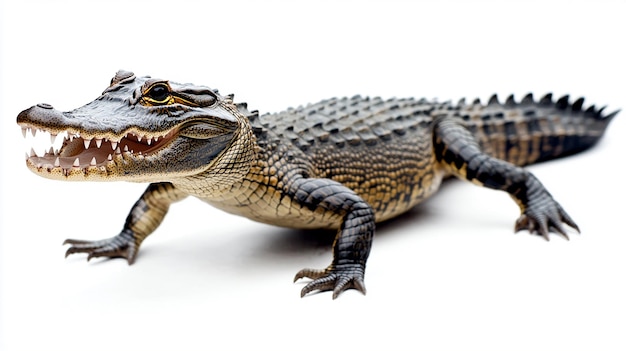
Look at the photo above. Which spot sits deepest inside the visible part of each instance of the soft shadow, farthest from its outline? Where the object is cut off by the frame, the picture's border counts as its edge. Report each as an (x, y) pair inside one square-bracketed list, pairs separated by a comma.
[(286, 242), (409, 218)]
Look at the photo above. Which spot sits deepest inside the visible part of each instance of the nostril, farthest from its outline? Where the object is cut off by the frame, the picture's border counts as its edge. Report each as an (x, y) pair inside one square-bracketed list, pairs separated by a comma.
[(46, 106)]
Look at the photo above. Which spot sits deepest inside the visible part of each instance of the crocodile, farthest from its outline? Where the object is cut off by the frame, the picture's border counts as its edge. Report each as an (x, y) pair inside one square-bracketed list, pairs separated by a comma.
[(342, 164)]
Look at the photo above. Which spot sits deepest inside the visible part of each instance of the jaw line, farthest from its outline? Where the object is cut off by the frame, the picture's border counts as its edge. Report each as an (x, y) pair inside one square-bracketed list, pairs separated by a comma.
[(98, 156)]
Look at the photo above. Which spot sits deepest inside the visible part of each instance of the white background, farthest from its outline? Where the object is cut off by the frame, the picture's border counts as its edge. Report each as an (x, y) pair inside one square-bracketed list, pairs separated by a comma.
[(449, 276)]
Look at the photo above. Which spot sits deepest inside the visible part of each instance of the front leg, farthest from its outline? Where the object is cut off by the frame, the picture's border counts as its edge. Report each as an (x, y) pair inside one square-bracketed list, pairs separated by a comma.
[(458, 151), (145, 216), (354, 237)]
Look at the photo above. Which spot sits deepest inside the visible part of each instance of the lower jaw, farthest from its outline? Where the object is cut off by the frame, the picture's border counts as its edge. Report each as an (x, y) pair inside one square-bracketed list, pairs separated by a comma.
[(65, 169)]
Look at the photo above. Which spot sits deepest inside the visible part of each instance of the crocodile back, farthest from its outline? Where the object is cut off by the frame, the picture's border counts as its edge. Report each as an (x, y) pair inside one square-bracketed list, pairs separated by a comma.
[(382, 149)]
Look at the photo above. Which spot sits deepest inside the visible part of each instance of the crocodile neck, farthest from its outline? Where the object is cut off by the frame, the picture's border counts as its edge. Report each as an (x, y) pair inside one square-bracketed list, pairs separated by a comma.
[(226, 170)]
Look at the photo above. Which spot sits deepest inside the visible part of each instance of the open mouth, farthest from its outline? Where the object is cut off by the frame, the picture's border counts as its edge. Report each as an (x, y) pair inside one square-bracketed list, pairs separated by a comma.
[(68, 151)]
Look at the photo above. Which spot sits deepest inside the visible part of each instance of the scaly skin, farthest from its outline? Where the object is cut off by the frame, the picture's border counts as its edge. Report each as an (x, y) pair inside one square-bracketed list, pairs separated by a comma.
[(342, 164)]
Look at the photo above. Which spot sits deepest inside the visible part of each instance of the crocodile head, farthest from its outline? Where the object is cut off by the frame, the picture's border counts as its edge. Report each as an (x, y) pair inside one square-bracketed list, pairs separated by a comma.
[(139, 129)]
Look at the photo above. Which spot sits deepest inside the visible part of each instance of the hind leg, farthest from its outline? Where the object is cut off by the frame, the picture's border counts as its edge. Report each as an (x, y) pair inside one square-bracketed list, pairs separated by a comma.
[(459, 153)]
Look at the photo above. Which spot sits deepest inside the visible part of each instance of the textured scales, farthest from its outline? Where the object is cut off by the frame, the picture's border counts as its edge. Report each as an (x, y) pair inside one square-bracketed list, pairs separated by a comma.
[(342, 164), (333, 140)]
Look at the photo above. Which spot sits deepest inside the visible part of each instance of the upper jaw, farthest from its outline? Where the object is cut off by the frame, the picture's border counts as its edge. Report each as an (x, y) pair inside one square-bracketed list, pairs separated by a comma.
[(62, 149)]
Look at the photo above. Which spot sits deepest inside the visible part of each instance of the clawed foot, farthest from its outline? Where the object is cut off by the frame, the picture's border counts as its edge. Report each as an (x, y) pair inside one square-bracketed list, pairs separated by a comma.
[(336, 278), (544, 216), (121, 245)]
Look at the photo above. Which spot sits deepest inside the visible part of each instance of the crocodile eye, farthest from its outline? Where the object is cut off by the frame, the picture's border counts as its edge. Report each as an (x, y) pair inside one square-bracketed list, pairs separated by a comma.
[(159, 93)]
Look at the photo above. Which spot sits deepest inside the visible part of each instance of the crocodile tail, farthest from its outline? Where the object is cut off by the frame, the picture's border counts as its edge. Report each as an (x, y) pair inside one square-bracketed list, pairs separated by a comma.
[(532, 131)]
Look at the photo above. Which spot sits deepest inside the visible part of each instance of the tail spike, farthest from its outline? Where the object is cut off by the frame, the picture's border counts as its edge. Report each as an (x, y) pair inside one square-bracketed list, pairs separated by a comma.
[(546, 100), (461, 102), (563, 102), (578, 104), (510, 101), (612, 114), (528, 99), (493, 100), (476, 101), (591, 111)]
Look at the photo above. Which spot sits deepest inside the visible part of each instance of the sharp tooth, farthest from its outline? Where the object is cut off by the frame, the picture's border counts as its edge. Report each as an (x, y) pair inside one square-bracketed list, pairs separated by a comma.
[(32, 152), (98, 143), (24, 132), (93, 161), (51, 151), (76, 162), (33, 132), (71, 137), (118, 151), (26, 156), (57, 162), (139, 138), (149, 141), (113, 145), (110, 157), (125, 148), (53, 137), (87, 142)]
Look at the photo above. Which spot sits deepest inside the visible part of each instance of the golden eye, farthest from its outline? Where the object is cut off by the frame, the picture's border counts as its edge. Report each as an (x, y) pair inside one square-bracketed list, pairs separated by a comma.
[(159, 93)]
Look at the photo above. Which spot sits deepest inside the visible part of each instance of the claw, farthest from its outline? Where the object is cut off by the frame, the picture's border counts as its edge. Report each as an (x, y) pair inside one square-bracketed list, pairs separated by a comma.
[(321, 284), (346, 283), (543, 229), (309, 273), (564, 235), (122, 245), (338, 279), (521, 223), (558, 228), (70, 251), (76, 242), (569, 221), (545, 218), (359, 285)]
